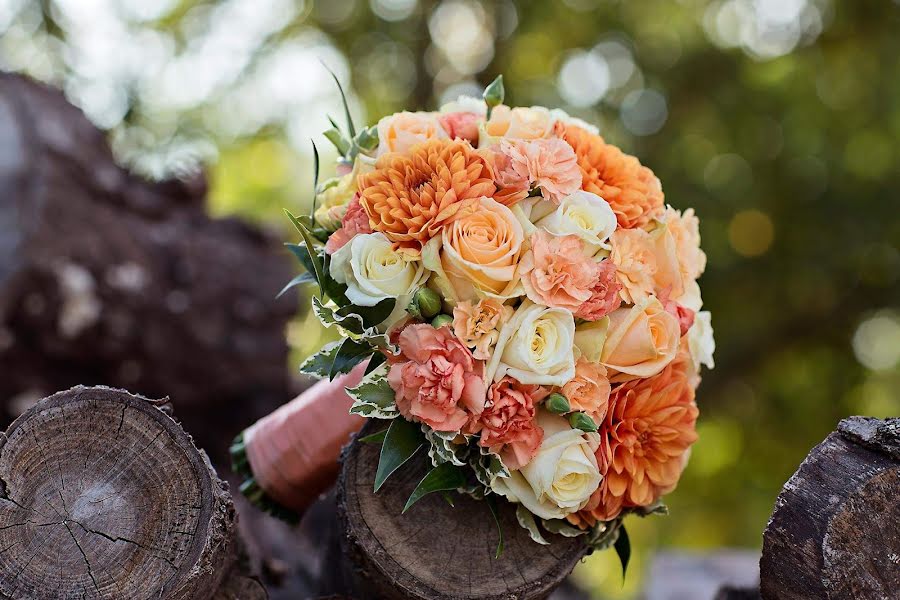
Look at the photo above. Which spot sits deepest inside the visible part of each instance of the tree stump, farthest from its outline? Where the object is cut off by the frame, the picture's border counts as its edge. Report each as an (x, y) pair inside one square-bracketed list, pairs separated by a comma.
[(436, 551), (107, 278), (835, 531), (104, 496)]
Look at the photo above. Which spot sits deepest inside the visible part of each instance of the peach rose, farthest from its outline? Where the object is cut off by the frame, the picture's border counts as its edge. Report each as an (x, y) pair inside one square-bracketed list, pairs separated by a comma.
[(479, 252), (436, 379), (647, 263), (685, 231), (519, 123), (605, 292), (355, 221), (589, 390), (641, 340), (461, 125), (644, 443), (401, 131), (507, 425), (549, 165), (478, 325), (557, 273)]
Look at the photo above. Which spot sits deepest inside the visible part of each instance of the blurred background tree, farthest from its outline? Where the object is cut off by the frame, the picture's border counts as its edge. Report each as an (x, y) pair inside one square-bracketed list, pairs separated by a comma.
[(778, 120)]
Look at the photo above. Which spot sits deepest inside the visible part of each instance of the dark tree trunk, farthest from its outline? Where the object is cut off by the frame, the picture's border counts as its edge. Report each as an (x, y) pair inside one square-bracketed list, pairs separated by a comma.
[(110, 279), (435, 551), (835, 532), (104, 496)]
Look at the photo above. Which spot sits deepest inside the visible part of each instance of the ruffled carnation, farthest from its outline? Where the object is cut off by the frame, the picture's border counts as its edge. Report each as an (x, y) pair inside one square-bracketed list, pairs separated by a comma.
[(436, 379), (605, 294), (507, 425), (550, 165), (355, 221), (588, 391), (409, 197), (644, 441), (478, 325), (461, 125), (632, 190), (557, 273)]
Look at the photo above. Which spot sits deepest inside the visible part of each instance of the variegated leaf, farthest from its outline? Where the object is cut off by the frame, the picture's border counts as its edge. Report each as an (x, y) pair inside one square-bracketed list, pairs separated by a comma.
[(373, 397)]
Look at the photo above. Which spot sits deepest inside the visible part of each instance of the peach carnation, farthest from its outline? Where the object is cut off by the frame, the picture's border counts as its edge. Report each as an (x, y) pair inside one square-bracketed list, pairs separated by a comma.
[(556, 272), (461, 125), (589, 390), (507, 425), (436, 379), (632, 190), (478, 325), (550, 165), (355, 221), (644, 441), (410, 196), (605, 292)]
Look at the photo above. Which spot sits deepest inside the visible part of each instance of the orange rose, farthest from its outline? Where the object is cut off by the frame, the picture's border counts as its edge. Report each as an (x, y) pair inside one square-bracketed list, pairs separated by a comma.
[(640, 341), (589, 390), (644, 441)]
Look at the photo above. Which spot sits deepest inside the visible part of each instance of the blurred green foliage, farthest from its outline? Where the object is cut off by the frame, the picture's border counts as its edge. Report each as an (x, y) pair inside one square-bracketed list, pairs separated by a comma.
[(778, 121)]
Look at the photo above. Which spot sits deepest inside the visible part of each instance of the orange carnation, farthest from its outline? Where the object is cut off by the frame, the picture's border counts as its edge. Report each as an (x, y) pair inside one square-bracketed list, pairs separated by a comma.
[(632, 190), (644, 440), (409, 196)]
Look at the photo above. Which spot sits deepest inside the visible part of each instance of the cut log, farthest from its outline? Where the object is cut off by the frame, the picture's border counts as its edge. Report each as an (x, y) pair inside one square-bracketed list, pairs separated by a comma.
[(104, 496), (835, 531), (106, 278), (435, 551)]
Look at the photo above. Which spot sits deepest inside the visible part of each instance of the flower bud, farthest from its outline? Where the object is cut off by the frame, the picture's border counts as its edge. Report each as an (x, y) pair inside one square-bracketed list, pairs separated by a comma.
[(441, 320), (425, 304), (493, 94), (557, 404), (579, 420)]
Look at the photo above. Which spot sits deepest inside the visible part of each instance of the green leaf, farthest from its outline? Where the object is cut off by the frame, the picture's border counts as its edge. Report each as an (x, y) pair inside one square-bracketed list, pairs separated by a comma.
[(373, 397), (375, 438), (351, 129), (350, 353), (302, 254), (334, 290), (623, 549), (371, 315), (562, 527), (403, 439), (443, 478), (319, 364), (298, 280), (443, 448), (340, 142), (313, 255), (526, 520), (376, 361), (312, 210), (492, 504)]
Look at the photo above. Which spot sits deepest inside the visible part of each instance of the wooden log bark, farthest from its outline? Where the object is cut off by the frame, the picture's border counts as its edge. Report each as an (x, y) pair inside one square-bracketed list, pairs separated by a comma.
[(435, 551), (835, 531), (104, 496), (106, 278)]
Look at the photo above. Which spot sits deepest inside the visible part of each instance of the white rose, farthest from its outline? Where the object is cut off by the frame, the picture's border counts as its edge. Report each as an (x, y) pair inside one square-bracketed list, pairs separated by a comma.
[(561, 477), (583, 214), (373, 271), (536, 346), (561, 115), (467, 104), (701, 342)]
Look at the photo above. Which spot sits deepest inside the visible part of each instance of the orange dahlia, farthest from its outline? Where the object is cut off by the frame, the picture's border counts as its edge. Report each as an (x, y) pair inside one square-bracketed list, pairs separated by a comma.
[(632, 190), (409, 196), (645, 436)]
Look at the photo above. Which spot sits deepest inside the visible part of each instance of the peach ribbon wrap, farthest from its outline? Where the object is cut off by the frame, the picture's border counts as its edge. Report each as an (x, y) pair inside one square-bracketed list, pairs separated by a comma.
[(294, 452)]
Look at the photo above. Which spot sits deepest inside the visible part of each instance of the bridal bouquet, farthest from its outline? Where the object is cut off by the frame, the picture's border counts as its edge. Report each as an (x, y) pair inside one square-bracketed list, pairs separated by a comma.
[(527, 304)]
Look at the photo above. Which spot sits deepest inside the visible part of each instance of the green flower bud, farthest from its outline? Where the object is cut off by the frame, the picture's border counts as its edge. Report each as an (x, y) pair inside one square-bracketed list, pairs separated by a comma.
[(427, 303), (493, 94), (557, 404), (441, 320), (581, 421)]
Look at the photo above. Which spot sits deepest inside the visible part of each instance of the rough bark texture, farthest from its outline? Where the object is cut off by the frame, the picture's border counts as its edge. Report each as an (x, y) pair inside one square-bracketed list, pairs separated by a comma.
[(106, 278), (435, 551), (104, 496), (835, 531)]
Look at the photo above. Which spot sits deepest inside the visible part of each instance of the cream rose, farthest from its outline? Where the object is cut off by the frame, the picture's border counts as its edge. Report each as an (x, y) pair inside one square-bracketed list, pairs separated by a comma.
[(561, 477), (373, 271), (701, 342), (583, 214), (465, 104), (521, 123), (563, 117), (536, 346), (401, 131), (640, 341), (479, 253)]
